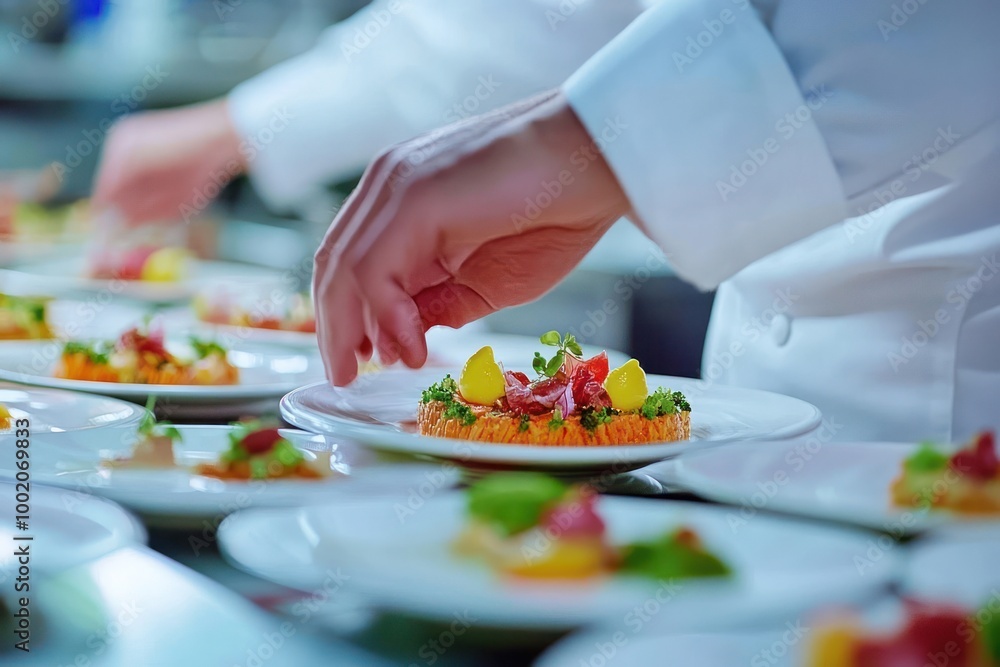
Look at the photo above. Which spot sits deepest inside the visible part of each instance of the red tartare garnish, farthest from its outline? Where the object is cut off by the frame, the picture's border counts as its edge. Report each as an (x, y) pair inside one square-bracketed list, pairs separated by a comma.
[(136, 341), (578, 384), (979, 460), (260, 442)]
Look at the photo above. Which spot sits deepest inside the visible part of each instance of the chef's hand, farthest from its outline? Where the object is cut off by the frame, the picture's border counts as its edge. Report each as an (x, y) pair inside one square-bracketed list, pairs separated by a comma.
[(453, 225), (160, 165)]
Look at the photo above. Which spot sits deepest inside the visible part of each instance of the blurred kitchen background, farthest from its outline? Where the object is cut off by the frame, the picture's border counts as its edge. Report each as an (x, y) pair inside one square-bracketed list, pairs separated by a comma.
[(67, 67)]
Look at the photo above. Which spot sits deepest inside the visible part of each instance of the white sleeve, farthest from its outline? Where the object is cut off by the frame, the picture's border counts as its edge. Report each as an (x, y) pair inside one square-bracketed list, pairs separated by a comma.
[(736, 129), (399, 68)]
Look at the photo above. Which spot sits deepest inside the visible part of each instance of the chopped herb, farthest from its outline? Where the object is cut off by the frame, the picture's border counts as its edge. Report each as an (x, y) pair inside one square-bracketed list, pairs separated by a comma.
[(149, 426), (205, 348), (926, 459), (460, 411), (443, 391), (664, 402), (671, 557), (557, 420), (97, 353), (591, 418), (525, 423)]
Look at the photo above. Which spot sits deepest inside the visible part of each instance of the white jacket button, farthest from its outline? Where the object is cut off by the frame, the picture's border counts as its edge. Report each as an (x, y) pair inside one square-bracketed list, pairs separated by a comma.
[(781, 329)]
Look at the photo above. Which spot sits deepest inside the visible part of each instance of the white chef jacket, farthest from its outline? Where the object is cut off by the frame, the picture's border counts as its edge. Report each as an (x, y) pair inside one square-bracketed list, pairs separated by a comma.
[(398, 68), (747, 133)]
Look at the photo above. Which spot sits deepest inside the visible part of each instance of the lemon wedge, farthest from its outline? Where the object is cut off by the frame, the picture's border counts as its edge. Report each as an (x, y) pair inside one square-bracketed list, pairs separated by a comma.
[(626, 386), (481, 381), (166, 265)]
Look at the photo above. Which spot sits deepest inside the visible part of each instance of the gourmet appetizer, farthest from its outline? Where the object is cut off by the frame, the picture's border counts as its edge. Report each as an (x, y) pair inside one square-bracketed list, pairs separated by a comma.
[(258, 452), (532, 525), (155, 447), (24, 318), (967, 481), (5, 417), (932, 634), (292, 313), (142, 357), (143, 262), (572, 401)]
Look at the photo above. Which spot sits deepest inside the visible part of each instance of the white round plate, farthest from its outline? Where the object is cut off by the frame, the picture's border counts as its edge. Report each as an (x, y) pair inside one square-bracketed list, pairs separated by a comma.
[(179, 494), (68, 276), (376, 410), (66, 416), (67, 528), (626, 645), (265, 372), (401, 559), (959, 569), (840, 481)]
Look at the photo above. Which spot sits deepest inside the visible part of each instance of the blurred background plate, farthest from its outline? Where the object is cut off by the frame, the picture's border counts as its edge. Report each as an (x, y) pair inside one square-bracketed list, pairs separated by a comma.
[(67, 417), (840, 481), (266, 372), (66, 528), (69, 277), (179, 498), (404, 562)]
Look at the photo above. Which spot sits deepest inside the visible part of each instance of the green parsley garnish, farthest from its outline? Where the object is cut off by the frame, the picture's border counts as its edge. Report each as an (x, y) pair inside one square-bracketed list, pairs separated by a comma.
[(567, 343), (664, 402), (205, 348), (150, 427), (670, 557), (525, 423), (926, 459), (460, 411), (97, 353), (444, 392), (591, 418), (557, 420)]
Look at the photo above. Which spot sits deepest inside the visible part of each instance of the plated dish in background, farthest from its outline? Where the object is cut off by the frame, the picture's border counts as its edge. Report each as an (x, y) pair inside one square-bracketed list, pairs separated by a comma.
[(140, 356), (178, 475), (265, 372), (409, 562), (74, 276), (571, 402), (895, 487)]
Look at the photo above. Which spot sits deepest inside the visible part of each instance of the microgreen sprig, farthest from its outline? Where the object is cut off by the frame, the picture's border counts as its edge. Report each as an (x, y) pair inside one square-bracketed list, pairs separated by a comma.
[(567, 343)]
